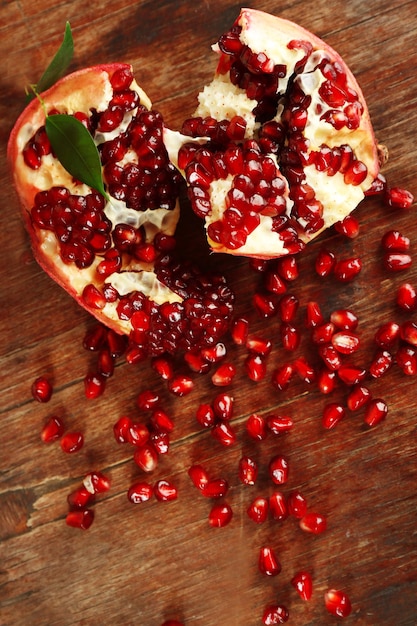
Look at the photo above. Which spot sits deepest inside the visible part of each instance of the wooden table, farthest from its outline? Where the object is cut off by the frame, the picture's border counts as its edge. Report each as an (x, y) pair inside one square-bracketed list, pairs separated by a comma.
[(139, 565)]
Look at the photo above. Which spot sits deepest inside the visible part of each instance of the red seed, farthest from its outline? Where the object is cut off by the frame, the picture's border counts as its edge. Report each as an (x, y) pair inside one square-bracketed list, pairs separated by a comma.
[(278, 506), (358, 396), (215, 353), (290, 336), (52, 430), (268, 563), (351, 374), (397, 261), (287, 267), (349, 227), (278, 469), (223, 406), (146, 457), (376, 411), (255, 367), (408, 332), (337, 603), (224, 433), (313, 523), (344, 319), (42, 389), (180, 385), (96, 482), (248, 470), (297, 504), (394, 241), (407, 297), (279, 424), (324, 263), (345, 342), (314, 316), (94, 385), (258, 510), (72, 442), (160, 440), (161, 421), (281, 377), (273, 284), (323, 333), (256, 427), (163, 366), (303, 583), (199, 476), (331, 357), (332, 414), (288, 307), (224, 375), (380, 363), (220, 515), (387, 335), (205, 415), (326, 380), (215, 488), (140, 492), (240, 330), (265, 305), (406, 359), (275, 614), (346, 270), (80, 519), (137, 434), (165, 491), (105, 363), (148, 400), (258, 345), (121, 429), (398, 198), (80, 498)]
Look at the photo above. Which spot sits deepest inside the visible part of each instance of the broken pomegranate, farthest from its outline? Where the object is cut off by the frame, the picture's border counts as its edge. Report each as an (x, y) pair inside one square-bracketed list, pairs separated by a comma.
[(281, 145), (112, 250)]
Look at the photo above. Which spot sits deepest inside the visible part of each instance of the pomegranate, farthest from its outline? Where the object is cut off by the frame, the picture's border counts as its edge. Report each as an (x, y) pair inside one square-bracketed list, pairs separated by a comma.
[(112, 249), (281, 145)]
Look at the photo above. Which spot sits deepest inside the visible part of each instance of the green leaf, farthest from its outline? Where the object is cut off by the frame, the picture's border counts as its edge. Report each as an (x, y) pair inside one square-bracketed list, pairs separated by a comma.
[(57, 66), (74, 147)]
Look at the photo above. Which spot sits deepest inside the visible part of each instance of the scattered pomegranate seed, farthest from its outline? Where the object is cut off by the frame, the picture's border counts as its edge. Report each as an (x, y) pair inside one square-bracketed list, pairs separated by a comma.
[(146, 457), (72, 442), (275, 614), (240, 330), (80, 519), (324, 263), (148, 400), (337, 603), (165, 491), (408, 332), (314, 316), (297, 504), (278, 506), (376, 411), (161, 421), (224, 375), (268, 563), (255, 367), (205, 415), (281, 377), (256, 427), (94, 385), (215, 488), (52, 430), (223, 406), (287, 267), (290, 336), (394, 241), (140, 492), (258, 345), (358, 396), (313, 523), (163, 366), (279, 424), (381, 363), (344, 319), (351, 374), (96, 482), (288, 307), (407, 297), (398, 198), (80, 498), (387, 335), (397, 261), (42, 389), (332, 414), (224, 433), (180, 385), (248, 470), (278, 469), (345, 342), (305, 371), (265, 305), (406, 359), (323, 333), (138, 434), (346, 270), (220, 515), (303, 583), (326, 380)]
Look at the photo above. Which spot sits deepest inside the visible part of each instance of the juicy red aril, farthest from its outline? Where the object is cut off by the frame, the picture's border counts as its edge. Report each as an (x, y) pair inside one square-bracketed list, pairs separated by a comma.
[(303, 584), (297, 504), (220, 515), (80, 498), (397, 261), (406, 359), (349, 227), (387, 335), (42, 389), (105, 363), (96, 482), (398, 198), (376, 411), (407, 297), (256, 427), (346, 270), (268, 563), (160, 441), (287, 267), (140, 492), (326, 380), (313, 523), (278, 506), (240, 330), (258, 510), (380, 363), (80, 519), (147, 400), (255, 367), (95, 338), (337, 603), (279, 424), (199, 476), (162, 365), (394, 241), (215, 488), (205, 415), (52, 430), (224, 433), (165, 491), (288, 307), (305, 371), (290, 336), (323, 333), (275, 614), (223, 406), (223, 375), (137, 433), (358, 396), (278, 469), (161, 421), (332, 414), (72, 442), (274, 283), (345, 342), (146, 457), (408, 332), (324, 263), (344, 319), (314, 316), (331, 357), (265, 305), (351, 374), (180, 385), (248, 470), (94, 385), (214, 354), (258, 345), (121, 429)]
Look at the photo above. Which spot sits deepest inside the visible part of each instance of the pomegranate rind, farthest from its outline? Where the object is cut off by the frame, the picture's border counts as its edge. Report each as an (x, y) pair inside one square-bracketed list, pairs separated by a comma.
[(223, 99)]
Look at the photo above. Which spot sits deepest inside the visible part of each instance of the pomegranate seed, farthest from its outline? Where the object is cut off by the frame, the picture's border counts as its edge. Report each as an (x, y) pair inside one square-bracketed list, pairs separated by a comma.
[(240, 330), (275, 614), (105, 363), (160, 440), (268, 563), (165, 491), (180, 385), (297, 504), (96, 482), (220, 515), (305, 371), (163, 366), (224, 375), (324, 263), (214, 354), (279, 424), (258, 510), (326, 380), (93, 298), (198, 476), (407, 297), (278, 469), (408, 332), (52, 430), (387, 335), (258, 345), (256, 427), (42, 389), (255, 367), (94, 385), (346, 270), (248, 470), (394, 241), (358, 396), (146, 457), (223, 406), (345, 342), (303, 583), (172, 622), (288, 307), (376, 411), (205, 415), (161, 421), (72, 442), (349, 227), (344, 319), (330, 356), (290, 336), (351, 374), (147, 400), (121, 429), (281, 377), (313, 523), (196, 363), (323, 333), (397, 261), (337, 603), (137, 434), (265, 305), (278, 506), (80, 519), (398, 198), (140, 492), (273, 284), (287, 267), (215, 488), (314, 315), (332, 414), (406, 359), (224, 433), (95, 338), (381, 363), (80, 498)]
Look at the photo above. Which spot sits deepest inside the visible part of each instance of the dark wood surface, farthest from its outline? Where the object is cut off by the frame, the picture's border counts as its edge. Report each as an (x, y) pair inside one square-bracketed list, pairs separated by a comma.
[(139, 565)]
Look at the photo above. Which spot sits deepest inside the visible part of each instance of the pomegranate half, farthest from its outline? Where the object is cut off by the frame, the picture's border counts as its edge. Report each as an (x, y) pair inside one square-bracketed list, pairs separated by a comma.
[(285, 144), (114, 254)]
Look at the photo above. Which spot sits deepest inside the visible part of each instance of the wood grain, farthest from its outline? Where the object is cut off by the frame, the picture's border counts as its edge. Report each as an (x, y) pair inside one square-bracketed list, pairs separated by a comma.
[(139, 565)]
